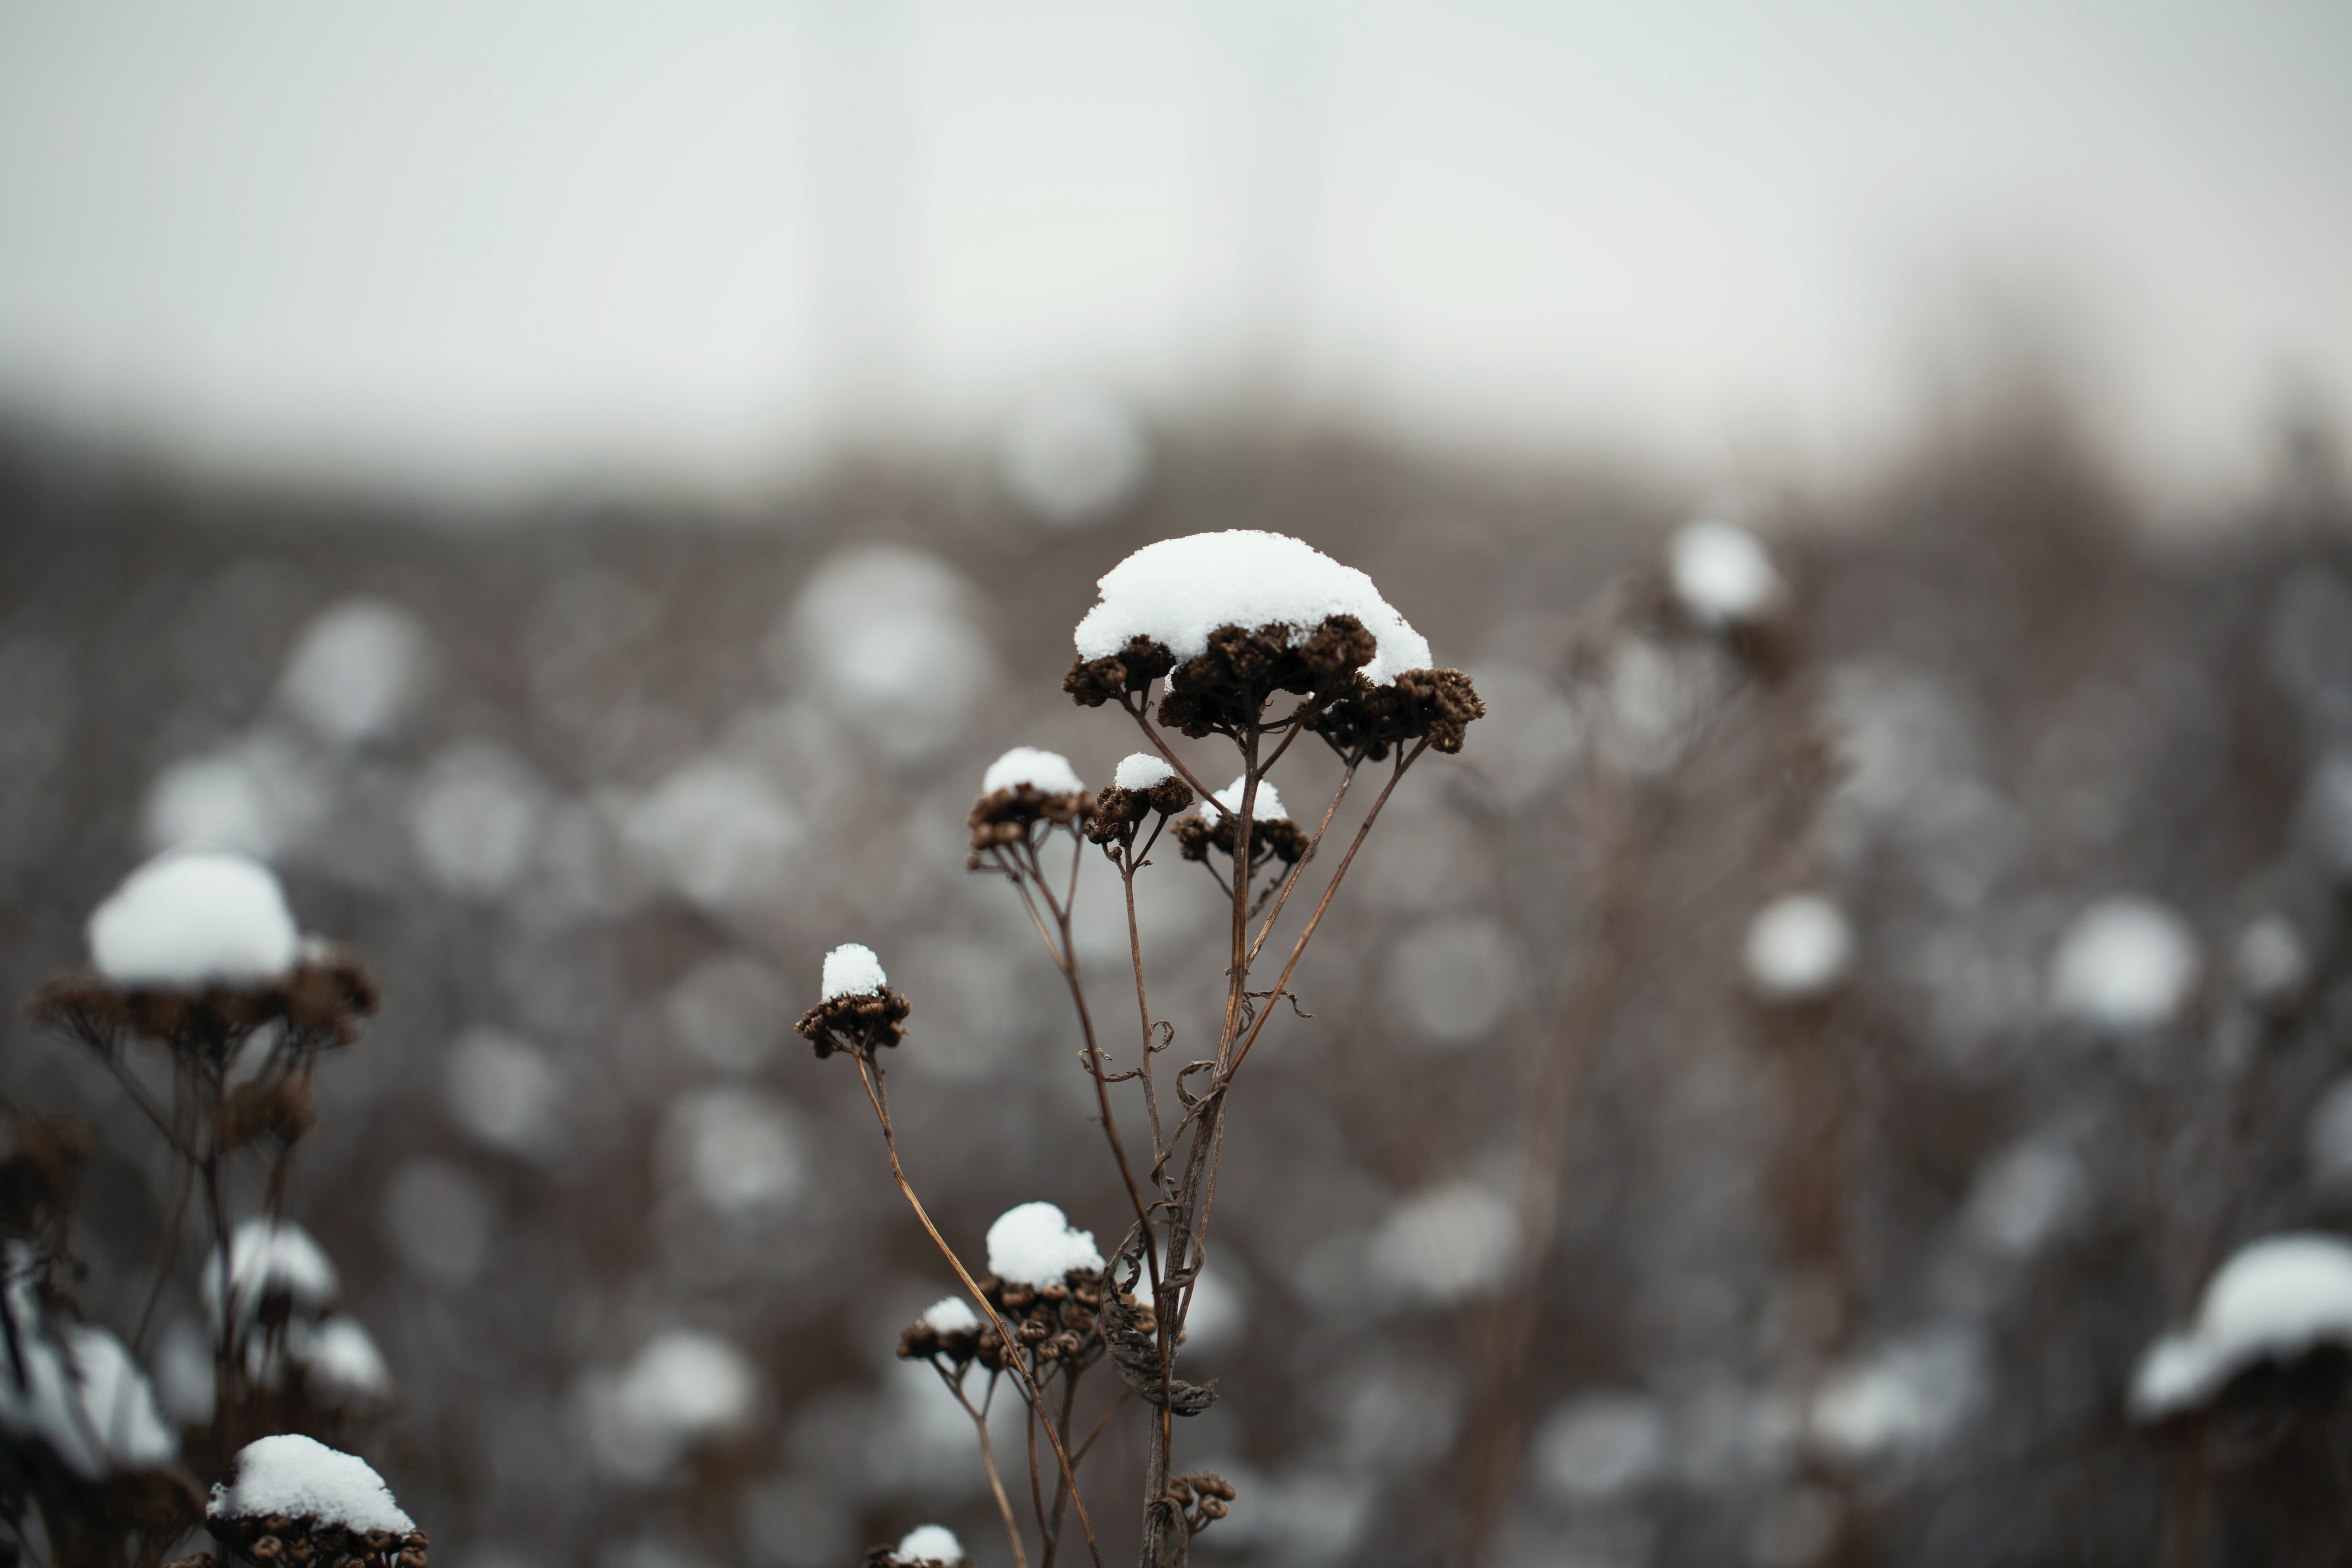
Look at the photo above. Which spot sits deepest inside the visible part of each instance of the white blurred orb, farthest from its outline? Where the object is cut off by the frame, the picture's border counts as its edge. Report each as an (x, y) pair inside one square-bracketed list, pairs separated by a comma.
[(357, 669), (2271, 963), (740, 1153), (883, 637), (1446, 1243), (1074, 456), (503, 1091), (2125, 964), (718, 832), (1799, 948), (1722, 575), (474, 818), (1598, 1445), (1455, 977)]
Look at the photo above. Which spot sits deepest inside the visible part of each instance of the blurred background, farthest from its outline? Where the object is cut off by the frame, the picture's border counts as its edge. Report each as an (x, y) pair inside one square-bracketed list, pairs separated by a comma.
[(583, 492)]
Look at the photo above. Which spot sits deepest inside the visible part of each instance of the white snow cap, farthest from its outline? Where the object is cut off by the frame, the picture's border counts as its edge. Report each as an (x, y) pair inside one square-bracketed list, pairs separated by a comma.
[(305, 1478), (1047, 771), (1035, 1245), (951, 1315), (268, 1257), (2125, 965), (339, 1359), (928, 1544), (853, 970), (2274, 1299), (1180, 590), (195, 917), (1721, 574), (1142, 770), (1267, 807), (81, 1394), (1800, 947)]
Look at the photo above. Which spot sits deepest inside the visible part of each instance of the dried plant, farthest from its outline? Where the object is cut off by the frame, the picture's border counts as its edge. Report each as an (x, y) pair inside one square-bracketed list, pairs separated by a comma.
[(1255, 641)]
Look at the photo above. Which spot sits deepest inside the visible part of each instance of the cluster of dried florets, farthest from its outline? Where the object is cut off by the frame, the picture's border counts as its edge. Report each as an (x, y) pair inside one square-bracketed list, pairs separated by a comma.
[(1273, 835), (860, 1013), (1200, 1498), (320, 1002), (274, 1540), (1144, 788)]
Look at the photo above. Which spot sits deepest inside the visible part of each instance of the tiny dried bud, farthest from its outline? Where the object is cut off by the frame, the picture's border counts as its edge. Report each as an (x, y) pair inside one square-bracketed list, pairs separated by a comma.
[(266, 1549), (1054, 1291)]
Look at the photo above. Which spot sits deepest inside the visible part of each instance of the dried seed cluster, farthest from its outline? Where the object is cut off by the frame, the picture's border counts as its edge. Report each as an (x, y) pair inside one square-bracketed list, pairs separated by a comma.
[(859, 1024), (1281, 838), (321, 1003), (1056, 1324), (1202, 1496), (276, 1539), (888, 1557), (1006, 816), (1120, 812)]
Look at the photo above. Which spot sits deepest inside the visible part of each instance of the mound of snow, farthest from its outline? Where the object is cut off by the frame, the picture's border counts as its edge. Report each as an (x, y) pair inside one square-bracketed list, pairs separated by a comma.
[(269, 1257), (2272, 1300), (1177, 592), (951, 1315), (305, 1478), (1048, 772), (1267, 807), (195, 917), (1142, 770), (853, 970), (928, 1544), (1035, 1245)]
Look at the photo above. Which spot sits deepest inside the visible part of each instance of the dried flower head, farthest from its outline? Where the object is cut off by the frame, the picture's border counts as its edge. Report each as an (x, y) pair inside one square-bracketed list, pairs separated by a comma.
[(1021, 788), (1144, 786), (859, 1012), (1370, 721), (39, 1173), (320, 1002), (948, 1327), (1218, 826)]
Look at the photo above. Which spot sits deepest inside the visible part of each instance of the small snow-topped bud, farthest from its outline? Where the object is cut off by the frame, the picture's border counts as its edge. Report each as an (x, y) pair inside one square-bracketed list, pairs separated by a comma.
[(303, 1479), (853, 970), (951, 1315), (1721, 576), (928, 1544), (2274, 1300), (2125, 965), (193, 918), (1035, 1245), (1267, 807), (1799, 948), (1048, 772), (1179, 591), (270, 1258), (1142, 770)]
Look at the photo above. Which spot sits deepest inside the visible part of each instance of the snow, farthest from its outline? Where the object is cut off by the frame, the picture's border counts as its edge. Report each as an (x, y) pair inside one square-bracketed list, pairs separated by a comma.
[(930, 1543), (1446, 1243), (270, 1258), (1721, 574), (852, 970), (192, 917), (1048, 772), (951, 1315), (1142, 770), (2125, 965), (356, 671), (1267, 807), (1180, 590), (81, 1394), (2274, 1299), (1800, 947), (340, 1359), (1035, 1245), (303, 1477)]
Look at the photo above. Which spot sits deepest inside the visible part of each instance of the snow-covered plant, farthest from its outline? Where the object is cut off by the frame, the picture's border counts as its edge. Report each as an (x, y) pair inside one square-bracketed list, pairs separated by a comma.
[(296, 1500), (197, 955), (1243, 640)]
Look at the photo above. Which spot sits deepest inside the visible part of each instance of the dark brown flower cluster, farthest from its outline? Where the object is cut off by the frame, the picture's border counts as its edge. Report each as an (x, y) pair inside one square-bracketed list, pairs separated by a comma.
[(919, 1340), (39, 1174), (1223, 688), (1201, 1498), (888, 1557), (320, 1004), (274, 1540), (1120, 812), (1007, 816), (1281, 839), (1054, 1324), (860, 1023), (1369, 721)]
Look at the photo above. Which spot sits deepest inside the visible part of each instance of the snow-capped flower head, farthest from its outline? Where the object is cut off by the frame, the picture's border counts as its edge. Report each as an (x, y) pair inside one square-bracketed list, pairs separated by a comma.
[(75, 1390), (1231, 618), (190, 919), (1033, 1244), (303, 1479), (1021, 788), (926, 1546), (1144, 785), (270, 1261), (857, 1011), (2125, 964), (2274, 1300), (1217, 825), (948, 1327), (1800, 949), (1721, 576)]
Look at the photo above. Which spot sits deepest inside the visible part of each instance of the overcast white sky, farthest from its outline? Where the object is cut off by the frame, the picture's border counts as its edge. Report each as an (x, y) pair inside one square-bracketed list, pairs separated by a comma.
[(475, 243)]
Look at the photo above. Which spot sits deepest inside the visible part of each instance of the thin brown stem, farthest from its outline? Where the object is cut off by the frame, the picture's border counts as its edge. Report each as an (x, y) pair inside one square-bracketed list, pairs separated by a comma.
[(870, 1075), (979, 1414)]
